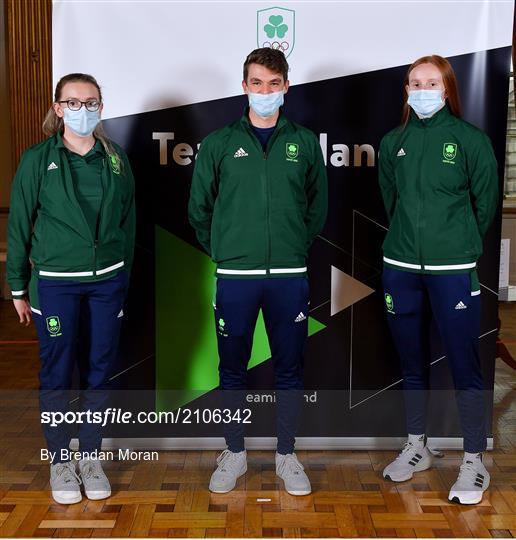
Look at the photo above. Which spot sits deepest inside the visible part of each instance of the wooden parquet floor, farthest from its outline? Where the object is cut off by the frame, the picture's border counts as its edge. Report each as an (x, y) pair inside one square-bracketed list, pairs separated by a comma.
[(169, 497)]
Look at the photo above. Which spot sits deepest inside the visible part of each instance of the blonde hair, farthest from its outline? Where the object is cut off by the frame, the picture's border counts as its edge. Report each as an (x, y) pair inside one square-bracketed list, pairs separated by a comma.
[(52, 124)]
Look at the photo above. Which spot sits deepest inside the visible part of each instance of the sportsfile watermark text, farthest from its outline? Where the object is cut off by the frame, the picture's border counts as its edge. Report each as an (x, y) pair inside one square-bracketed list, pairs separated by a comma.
[(114, 415)]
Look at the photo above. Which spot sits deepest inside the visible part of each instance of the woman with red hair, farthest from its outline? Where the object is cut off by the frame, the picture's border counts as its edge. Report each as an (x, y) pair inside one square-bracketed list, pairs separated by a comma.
[(438, 178)]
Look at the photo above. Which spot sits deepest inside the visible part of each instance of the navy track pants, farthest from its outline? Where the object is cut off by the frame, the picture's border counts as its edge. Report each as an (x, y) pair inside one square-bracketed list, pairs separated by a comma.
[(411, 299), (284, 303), (78, 324)]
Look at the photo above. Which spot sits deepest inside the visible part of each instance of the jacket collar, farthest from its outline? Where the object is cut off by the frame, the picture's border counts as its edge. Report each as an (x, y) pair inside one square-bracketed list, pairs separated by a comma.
[(59, 143), (59, 140), (282, 119), (440, 118)]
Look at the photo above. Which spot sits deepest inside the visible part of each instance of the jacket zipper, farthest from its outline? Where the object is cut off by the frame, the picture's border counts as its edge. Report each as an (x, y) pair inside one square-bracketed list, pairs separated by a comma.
[(95, 257), (267, 212), (97, 228), (68, 178), (420, 200), (266, 189)]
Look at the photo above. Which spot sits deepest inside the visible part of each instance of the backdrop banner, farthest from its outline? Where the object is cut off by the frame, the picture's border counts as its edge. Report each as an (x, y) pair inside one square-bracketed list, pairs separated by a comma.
[(170, 74)]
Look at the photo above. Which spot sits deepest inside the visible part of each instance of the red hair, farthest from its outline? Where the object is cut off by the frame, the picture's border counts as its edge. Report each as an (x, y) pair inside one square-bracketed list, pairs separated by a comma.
[(449, 80)]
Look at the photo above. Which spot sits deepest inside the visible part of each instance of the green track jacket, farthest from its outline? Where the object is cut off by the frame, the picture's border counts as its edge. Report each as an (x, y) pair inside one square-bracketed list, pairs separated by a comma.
[(257, 213), (439, 183), (47, 225)]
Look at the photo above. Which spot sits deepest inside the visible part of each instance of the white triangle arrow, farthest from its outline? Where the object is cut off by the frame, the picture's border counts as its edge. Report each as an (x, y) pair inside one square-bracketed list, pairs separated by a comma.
[(345, 290)]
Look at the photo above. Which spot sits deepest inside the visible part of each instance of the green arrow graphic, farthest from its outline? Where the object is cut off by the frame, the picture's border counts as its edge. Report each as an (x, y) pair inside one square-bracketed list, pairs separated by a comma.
[(186, 344)]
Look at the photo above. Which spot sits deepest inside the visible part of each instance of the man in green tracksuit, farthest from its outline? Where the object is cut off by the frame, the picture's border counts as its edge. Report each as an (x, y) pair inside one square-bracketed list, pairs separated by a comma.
[(258, 199)]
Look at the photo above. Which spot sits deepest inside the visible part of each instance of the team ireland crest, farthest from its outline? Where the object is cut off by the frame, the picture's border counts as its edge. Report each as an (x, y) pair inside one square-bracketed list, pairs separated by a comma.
[(389, 302), (53, 325), (292, 151), (449, 151), (276, 29)]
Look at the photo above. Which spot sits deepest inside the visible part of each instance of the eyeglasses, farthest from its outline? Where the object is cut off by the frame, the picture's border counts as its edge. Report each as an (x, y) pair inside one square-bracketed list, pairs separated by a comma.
[(91, 105)]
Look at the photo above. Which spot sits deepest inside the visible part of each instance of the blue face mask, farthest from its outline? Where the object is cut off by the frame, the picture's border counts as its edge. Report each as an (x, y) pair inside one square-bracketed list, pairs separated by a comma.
[(426, 102), (81, 122), (265, 105)]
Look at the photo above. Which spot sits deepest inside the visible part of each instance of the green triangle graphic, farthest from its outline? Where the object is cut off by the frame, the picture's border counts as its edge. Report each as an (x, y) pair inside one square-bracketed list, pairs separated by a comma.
[(186, 344)]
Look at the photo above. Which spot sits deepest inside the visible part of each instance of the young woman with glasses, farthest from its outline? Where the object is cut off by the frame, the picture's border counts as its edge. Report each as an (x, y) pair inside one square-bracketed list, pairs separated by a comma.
[(70, 249)]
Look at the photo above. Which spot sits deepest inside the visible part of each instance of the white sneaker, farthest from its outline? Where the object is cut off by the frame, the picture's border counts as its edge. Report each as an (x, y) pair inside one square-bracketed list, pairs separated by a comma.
[(473, 480), (65, 483), (96, 484), (290, 470), (230, 466), (414, 457)]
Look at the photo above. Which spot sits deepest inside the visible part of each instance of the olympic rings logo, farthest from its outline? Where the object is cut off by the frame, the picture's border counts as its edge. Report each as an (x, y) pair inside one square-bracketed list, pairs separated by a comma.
[(276, 45)]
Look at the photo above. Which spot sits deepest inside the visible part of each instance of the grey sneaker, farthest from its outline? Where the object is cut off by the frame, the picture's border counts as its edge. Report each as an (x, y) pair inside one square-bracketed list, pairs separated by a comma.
[(415, 457), (290, 470), (96, 484), (473, 480), (230, 466), (65, 483)]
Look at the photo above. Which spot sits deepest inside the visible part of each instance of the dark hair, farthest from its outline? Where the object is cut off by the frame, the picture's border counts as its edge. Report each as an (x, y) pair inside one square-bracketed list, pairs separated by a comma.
[(272, 59), (450, 84)]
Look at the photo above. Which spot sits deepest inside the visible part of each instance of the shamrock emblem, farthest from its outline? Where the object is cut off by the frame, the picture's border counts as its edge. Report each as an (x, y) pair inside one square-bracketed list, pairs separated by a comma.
[(222, 328), (449, 151), (292, 150), (275, 27), (389, 301), (53, 325), (115, 163)]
